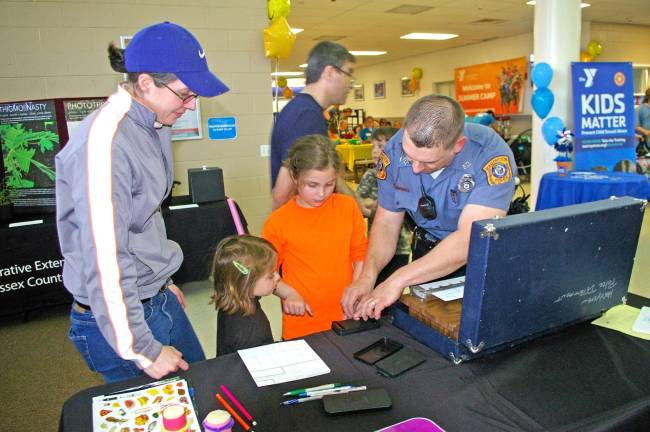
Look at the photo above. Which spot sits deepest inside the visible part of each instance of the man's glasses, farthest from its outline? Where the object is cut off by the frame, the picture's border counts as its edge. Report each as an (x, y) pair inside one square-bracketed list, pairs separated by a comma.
[(185, 99), (344, 72), (426, 204)]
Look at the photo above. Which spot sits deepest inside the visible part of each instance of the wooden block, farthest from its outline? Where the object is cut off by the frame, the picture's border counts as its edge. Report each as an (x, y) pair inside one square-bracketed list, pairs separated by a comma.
[(440, 315)]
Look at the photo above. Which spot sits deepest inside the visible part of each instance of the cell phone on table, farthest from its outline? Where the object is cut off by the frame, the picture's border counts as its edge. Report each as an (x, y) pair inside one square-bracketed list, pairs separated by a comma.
[(357, 401), (378, 350), (400, 362), (350, 326)]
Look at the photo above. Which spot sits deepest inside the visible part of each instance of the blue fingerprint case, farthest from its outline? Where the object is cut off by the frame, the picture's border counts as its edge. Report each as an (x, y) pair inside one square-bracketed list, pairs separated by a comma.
[(531, 274)]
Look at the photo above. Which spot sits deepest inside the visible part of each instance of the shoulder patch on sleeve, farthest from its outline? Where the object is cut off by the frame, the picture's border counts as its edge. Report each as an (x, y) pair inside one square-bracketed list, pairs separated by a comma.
[(382, 164), (498, 170)]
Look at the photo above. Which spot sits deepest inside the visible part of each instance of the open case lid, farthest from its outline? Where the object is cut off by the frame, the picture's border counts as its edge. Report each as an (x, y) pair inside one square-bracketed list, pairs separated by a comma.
[(534, 272)]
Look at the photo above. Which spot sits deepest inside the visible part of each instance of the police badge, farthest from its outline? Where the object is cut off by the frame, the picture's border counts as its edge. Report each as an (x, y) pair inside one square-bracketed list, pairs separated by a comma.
[(466, 183)]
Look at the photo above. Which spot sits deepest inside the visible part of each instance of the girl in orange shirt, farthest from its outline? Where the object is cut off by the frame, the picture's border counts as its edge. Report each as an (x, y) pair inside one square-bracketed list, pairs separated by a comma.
[(319, 235)]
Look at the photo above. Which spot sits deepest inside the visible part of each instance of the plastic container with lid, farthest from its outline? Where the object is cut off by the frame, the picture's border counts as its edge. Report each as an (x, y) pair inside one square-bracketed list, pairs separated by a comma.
[(218, 421)]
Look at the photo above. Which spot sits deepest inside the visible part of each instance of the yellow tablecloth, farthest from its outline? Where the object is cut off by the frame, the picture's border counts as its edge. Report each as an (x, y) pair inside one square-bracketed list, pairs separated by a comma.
[(349, 153)]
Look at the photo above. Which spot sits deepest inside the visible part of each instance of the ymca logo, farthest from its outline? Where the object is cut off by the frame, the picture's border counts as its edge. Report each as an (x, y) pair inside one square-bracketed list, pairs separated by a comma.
[(590, 74)]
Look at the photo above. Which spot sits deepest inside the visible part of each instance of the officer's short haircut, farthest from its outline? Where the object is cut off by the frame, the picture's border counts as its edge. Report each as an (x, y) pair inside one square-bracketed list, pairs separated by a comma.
[(324, 54), (435, 121)]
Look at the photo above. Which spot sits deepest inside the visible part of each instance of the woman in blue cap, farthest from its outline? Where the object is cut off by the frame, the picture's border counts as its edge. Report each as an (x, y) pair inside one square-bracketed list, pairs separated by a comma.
[(112, 175)]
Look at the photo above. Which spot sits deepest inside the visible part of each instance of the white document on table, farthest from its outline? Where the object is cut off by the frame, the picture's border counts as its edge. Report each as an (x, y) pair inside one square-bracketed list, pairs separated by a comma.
[(282, 362), (642, 323), (450, 293)]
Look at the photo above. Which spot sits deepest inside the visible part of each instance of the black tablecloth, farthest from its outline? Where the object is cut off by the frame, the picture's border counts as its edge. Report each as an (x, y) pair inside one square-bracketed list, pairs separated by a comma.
[(197, 230), (583, 378)]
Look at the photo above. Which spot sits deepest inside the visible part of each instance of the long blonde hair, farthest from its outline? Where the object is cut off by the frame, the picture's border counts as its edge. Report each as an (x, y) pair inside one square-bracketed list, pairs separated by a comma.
[(239, 262)]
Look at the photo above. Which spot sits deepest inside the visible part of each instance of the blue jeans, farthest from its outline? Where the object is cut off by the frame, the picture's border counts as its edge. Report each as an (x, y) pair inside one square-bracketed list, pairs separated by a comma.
[(167, 321)]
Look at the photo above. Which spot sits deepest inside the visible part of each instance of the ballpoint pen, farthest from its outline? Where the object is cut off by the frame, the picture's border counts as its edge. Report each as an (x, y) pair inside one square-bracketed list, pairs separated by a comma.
[(309, 389), (324, 391), (320, 396)]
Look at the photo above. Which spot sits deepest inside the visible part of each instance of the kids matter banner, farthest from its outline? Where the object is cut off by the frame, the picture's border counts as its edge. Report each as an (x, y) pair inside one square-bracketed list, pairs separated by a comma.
[(497, 86), (603, 116)]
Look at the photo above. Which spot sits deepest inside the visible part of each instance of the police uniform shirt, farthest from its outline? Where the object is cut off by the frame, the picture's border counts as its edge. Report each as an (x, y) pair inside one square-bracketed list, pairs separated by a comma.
[(481, 173)]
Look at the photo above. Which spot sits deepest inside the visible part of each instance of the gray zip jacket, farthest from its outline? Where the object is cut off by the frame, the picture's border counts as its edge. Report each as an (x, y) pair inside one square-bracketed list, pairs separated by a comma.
[(111, 178)]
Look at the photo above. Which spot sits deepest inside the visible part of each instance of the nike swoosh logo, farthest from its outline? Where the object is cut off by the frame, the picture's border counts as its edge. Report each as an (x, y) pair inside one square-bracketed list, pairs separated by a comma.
[(201, 54)]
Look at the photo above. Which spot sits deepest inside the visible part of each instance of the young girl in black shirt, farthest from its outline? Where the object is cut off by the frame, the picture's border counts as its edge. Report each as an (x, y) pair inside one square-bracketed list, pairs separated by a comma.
[(244, 270)]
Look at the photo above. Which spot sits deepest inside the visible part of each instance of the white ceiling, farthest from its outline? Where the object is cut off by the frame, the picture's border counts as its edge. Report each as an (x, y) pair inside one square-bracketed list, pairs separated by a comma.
[(365, 24)]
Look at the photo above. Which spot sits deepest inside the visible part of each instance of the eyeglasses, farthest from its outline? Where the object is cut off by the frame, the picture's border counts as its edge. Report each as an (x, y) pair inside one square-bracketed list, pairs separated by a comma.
[(426, 204), (344, 72), (185, 99)]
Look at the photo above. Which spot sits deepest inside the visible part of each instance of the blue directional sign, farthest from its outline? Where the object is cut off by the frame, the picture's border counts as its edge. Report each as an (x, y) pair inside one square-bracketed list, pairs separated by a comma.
[(222, 128)]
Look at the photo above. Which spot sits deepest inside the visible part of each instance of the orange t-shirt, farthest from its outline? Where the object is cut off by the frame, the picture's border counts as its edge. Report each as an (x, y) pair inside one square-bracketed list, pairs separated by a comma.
[(316, 249)]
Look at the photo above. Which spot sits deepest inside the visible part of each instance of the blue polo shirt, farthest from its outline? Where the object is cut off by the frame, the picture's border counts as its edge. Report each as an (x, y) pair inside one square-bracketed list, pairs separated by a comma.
[(643, 116), (301, 116), (481, 173)]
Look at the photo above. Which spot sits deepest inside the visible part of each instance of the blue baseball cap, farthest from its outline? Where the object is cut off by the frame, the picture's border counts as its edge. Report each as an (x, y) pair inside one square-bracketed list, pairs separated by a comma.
[(169, 48)]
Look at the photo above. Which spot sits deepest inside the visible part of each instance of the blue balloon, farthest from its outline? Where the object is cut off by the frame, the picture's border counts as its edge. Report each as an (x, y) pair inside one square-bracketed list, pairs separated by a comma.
[(542, 101), (486, 119), (550, 128), (542, 75), (468, 119)]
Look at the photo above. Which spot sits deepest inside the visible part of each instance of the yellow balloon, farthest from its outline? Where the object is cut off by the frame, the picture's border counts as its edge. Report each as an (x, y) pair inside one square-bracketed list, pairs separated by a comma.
[(278, 9), (282, 82), (417, 73), (585, 57), (594, 48), (278, 39)]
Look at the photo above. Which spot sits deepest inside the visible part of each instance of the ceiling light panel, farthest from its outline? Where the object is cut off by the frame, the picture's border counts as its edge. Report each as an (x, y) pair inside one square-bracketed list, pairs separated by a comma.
[(429, 36)]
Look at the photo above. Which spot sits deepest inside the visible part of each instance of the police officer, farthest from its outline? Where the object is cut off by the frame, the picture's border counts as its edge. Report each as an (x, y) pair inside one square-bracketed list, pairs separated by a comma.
[(446, 174)]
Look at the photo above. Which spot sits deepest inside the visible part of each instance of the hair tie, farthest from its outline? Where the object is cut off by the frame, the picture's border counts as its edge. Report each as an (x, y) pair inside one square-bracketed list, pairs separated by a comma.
[(242, 268)]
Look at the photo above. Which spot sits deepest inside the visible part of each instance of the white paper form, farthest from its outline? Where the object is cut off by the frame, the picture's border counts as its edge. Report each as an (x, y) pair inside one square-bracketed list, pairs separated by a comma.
[(446, 289), (642, 323), (282, 362), (450, 294)]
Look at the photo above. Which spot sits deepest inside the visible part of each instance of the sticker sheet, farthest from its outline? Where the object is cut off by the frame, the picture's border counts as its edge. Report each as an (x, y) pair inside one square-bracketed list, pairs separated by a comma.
[(139, 409)]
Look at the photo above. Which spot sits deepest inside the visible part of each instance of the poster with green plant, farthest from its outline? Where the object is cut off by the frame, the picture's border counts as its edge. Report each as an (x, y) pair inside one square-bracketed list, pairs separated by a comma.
[(30, 140)]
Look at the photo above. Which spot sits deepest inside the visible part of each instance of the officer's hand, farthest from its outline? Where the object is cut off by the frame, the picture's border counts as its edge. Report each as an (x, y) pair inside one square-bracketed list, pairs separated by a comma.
[(352, 294), (371, 305), (168, 361)]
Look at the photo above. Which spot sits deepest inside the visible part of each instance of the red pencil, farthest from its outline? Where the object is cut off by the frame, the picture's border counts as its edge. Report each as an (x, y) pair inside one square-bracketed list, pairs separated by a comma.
[(234, 400), (232, 412)]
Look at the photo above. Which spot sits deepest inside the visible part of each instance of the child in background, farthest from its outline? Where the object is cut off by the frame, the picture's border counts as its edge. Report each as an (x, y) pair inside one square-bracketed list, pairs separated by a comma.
[(319, 235), (244, 270), (367, 197)]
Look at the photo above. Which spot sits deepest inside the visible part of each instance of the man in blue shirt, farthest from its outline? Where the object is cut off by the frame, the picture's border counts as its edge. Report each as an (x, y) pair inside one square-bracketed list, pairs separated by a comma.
[(446, 174), (643, 120), (328, 82)]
